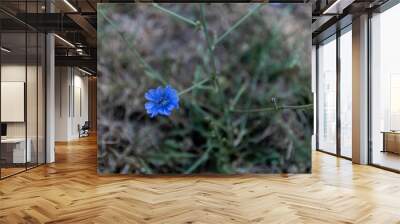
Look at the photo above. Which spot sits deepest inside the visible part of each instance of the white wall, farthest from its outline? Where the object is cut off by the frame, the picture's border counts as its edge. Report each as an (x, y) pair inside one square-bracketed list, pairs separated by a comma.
[(12, 73), (80, 109), (62, 81), (71, 102)]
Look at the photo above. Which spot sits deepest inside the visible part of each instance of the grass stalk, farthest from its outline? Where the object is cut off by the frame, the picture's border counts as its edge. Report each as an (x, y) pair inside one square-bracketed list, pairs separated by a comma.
[(237, 24), (296, 107), (204, 26), (175, 15), (194, 86), (200, 161)]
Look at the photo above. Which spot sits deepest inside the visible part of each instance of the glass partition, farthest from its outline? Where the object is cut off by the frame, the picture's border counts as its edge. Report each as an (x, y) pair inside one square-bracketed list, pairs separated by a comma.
[(327, 96), (32, 86), (22, 89), (385, 89), (14, 151)]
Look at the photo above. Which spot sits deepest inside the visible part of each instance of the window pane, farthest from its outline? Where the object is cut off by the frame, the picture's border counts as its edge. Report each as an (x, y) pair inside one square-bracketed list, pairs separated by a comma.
[(386, 88), (346, 94), (327, 97)]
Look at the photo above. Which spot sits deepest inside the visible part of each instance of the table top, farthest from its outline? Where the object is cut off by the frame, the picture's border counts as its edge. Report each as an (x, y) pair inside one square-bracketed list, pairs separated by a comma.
[(13, 140), (391, 132)]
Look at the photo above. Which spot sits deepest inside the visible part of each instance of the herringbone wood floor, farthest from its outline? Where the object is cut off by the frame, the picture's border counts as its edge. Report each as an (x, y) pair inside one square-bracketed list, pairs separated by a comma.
[(70, 191)]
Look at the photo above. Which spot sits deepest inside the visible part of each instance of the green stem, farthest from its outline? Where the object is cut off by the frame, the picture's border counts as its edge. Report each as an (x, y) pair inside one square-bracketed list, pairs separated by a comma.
[(146, 66), (194, 86), (201, 160), (297, 107), (238, 23), (177, 16), (203, 24), (238, 95)]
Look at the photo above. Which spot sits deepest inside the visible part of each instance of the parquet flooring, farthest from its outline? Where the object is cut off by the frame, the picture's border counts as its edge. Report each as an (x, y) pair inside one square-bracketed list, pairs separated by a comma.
[(10, 171), (70, 191)]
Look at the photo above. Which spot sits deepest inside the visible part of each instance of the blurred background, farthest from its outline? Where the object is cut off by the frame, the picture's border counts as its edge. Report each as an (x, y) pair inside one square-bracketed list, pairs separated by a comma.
[(266, 57)]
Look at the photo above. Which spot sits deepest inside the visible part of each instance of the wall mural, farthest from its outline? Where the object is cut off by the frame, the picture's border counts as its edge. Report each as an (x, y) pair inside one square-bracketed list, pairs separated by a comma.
[(204, 88)]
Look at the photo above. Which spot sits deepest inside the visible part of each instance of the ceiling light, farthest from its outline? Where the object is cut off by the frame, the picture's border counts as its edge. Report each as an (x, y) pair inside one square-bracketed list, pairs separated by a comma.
[(5, 50), (70, 5), (84, 71), (65, 41)]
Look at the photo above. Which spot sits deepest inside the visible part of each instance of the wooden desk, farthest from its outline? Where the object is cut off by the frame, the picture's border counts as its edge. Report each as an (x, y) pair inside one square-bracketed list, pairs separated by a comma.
[(391, 141)]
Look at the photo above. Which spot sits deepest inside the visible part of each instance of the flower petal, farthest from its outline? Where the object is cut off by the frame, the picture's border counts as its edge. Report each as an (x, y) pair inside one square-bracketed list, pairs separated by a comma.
[(153, 114), (164, 112), (159, 92), (151, 95), (149, 105)]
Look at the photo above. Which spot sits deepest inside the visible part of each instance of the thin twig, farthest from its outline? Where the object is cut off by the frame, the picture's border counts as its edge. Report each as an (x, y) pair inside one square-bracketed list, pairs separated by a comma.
[(297, 107), (177, 16), (146, 66), (198, 84), (238, 23)]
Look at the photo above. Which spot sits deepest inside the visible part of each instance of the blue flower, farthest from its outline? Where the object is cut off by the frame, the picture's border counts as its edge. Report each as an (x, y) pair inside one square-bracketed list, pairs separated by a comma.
[(161, 101)]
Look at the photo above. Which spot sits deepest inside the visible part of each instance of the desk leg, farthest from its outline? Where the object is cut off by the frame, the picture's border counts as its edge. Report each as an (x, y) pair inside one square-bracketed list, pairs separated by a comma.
[(384, 142)]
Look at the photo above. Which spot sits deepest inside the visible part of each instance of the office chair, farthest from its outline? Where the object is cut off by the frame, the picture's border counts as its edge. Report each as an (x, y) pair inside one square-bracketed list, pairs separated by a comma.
[(84, 130)]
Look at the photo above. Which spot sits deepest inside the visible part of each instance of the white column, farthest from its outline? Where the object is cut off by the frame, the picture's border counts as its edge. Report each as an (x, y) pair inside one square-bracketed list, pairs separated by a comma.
[(360, 90), (50, 93)]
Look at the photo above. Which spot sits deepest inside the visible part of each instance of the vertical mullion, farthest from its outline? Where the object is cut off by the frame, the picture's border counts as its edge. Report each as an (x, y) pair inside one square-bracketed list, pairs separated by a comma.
[(45, 88), (26, 85), (73, 92), (369, 89), (338, 73), (37, 89), (317, 96), (60, 88), (0, 90), (69, 91)]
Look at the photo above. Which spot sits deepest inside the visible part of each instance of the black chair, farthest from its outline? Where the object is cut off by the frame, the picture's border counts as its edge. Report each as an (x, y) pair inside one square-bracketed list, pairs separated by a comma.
[(84, 130)]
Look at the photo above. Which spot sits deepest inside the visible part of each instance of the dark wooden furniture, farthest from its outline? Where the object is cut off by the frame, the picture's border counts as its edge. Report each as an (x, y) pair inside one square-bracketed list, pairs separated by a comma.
[(391, 141)]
